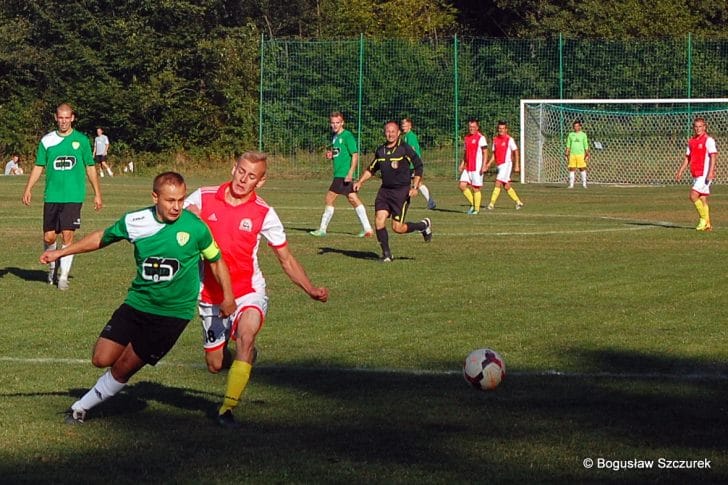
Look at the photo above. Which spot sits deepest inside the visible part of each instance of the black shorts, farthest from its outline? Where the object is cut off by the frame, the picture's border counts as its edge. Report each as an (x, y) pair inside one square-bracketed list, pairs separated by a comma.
[(61, 216), (151, 336), (395, 201), (339, 186), (100, 158)]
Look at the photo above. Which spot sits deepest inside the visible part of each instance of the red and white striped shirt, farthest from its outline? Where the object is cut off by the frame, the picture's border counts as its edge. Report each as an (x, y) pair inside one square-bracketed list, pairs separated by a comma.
[(699, 150), (237, 230)]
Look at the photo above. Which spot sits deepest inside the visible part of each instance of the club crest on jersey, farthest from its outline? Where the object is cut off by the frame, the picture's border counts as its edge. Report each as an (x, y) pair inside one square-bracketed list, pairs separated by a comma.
[(183, 238), (76, 145), (395, 164), (64, 163), (159, 269), (212, 218), (246, 225)]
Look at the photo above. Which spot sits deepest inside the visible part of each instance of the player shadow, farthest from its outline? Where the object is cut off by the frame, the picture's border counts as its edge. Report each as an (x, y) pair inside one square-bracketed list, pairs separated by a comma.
[(135, 398), (26, 274), (370, 255), (665, 224)]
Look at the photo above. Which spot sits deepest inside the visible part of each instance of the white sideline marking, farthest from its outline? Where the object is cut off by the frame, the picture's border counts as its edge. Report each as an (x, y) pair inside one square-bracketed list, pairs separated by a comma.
[(697, 376)]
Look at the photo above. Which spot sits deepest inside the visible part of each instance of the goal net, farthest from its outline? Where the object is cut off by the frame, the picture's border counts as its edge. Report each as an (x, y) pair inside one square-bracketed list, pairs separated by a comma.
[(631, 141)]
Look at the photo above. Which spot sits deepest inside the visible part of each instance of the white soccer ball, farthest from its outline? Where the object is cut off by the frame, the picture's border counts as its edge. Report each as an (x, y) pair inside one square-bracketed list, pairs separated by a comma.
[(484, 369)]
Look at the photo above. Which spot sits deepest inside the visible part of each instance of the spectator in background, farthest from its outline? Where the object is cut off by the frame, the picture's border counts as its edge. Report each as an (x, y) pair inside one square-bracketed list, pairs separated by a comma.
[(101, 149), (13, 166)]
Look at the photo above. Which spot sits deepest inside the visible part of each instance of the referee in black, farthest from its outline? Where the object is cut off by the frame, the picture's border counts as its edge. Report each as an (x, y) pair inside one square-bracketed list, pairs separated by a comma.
[(393, 159)]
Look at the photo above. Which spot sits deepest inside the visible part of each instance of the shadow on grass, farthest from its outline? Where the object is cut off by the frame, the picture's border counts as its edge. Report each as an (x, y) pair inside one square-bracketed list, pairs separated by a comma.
[(330, 425), (350, 253), (26, 274)]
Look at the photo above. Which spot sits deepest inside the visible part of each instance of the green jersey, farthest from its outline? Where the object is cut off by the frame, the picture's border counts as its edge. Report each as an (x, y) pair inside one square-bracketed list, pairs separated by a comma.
[(167, 258), (343, 148), (577, 143), (65, 159), (411, 139)]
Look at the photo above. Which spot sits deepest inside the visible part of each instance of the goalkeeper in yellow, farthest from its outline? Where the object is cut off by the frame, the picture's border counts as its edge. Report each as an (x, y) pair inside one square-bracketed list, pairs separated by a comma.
[(577, 153)]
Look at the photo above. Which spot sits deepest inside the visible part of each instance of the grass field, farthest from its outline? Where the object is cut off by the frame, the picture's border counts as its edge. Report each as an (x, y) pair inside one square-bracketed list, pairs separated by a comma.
[(608, 307)]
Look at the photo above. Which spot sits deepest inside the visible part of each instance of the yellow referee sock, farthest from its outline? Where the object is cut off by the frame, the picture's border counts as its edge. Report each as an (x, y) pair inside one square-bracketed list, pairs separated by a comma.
[(237, 379), (477, 196), (512, 194), (468, 195), (494, 195)]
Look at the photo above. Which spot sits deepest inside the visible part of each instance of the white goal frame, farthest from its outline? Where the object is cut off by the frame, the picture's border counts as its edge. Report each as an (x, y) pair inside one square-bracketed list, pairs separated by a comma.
[(524, 155)]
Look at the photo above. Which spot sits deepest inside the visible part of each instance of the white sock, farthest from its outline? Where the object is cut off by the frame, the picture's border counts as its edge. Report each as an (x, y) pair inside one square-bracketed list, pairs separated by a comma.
[(111, 174), (131, 166), (105, 388), (583, 178), (425, 192), (361, 211), (572, 176), (326, 217), (46, 247), (102, 173), (66, 262)]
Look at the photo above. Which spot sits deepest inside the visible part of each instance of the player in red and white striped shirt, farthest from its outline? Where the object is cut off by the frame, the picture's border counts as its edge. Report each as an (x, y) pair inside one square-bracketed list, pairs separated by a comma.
[(505, 156), (237, 218), (701, 155)]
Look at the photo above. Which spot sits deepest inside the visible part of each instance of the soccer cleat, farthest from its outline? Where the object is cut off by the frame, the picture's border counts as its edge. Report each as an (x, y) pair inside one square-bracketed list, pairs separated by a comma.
[(490, 207), (363, 233), (431, 204), (571, 186), (387, 257), (704, 226), (519, 206), (427, 232), (473, 213), (318, 233), (227, 420), (63, 284), (470, 211), (74, 416)]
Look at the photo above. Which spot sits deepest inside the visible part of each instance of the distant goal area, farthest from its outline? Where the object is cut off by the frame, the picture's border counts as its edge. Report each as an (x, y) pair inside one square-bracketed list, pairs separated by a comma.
[(631, 141)]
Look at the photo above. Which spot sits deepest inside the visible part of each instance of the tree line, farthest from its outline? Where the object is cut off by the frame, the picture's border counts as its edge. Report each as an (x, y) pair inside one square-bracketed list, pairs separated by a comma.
[(167, 76)]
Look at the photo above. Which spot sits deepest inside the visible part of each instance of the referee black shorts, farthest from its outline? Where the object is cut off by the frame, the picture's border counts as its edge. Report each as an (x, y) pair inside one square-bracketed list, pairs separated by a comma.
[(393, 200)]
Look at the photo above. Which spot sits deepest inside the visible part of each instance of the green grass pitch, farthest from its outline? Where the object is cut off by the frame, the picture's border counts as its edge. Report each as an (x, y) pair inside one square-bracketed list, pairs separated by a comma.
[(607, 306)]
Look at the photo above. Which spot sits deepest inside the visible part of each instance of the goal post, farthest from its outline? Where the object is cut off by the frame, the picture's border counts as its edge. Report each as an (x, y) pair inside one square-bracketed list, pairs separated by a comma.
[(632, 141)]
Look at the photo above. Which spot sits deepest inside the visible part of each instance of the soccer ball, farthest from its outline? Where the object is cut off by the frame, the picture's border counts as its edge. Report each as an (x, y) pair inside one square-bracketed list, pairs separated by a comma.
[(484, 369)]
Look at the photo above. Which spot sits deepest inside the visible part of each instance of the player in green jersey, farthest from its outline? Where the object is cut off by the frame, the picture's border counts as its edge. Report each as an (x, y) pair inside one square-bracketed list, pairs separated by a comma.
[(168, 242), (410, 138), (345, 156), (65, 154), (577, 153)]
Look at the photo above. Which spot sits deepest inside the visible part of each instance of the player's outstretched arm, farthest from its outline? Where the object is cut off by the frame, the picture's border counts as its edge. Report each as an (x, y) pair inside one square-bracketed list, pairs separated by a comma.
[(297, 274), (91, 242), (222, 275)]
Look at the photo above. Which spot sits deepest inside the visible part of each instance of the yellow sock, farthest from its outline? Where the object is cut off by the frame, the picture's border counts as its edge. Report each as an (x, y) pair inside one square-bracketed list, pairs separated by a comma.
[(706, 208), (237, 379), (513, 195), (702, 209), (494, 195), (468, 195), (477, 196)]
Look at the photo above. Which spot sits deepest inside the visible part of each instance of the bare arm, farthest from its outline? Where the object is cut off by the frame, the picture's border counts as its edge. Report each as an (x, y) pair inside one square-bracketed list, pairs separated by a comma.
[(297, 274), (681, 170), (34, 177), (222, 275), (711, 172), (516, 161), (94, 179), (352, 168), (91, 242), (364, 177)]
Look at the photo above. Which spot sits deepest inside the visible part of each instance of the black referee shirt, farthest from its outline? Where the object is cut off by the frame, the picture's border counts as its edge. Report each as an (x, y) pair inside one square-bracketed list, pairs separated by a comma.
[(394, 164)]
